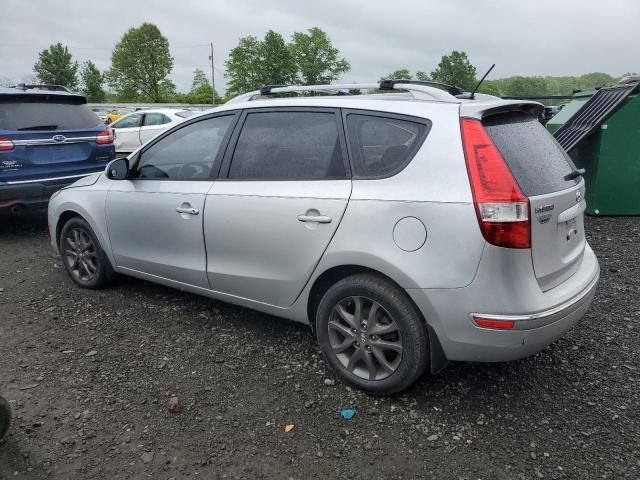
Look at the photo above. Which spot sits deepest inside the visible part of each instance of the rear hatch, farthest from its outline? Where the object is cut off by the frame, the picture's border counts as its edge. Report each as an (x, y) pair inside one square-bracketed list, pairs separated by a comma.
[(53, 136), (546, 175)]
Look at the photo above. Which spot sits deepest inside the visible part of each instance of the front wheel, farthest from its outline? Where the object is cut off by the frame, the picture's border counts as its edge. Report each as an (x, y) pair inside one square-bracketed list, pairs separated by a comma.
[(83, 258), (372, 335)]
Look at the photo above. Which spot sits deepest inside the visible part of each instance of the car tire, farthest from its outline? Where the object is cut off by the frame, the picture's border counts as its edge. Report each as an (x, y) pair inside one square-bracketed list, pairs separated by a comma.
[(83, 257), (5, 417), (372, 335)]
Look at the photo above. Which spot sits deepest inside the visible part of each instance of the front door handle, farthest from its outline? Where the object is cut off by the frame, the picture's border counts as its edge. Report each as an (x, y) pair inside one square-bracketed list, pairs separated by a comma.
[(188, 210), (314, 218)]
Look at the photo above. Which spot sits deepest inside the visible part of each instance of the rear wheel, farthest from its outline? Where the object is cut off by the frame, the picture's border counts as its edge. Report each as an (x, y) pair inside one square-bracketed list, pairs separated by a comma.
[(372, 335), (83, 258)]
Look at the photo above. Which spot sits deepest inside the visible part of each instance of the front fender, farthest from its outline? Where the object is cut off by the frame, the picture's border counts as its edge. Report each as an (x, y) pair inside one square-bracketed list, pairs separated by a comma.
[(88, 204)]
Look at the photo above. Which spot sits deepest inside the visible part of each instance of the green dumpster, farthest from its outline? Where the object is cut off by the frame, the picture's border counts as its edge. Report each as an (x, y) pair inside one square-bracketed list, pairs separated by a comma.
[(603, 138)]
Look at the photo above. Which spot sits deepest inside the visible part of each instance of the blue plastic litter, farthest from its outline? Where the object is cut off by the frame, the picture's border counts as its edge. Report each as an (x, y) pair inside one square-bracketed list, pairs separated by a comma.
[(348, 413)]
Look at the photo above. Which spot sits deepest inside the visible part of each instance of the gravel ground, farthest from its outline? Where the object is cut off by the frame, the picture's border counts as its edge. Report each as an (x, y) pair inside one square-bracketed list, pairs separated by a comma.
[(91, 377)]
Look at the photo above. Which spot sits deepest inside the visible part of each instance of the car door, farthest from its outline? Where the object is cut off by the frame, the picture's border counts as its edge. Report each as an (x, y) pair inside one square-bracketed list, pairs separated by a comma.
[(153, 124), (269, 221), (154, 218), (127, 131)]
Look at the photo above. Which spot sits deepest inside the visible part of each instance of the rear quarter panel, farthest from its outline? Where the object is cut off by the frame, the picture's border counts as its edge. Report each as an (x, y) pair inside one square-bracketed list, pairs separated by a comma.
[(433, 188)]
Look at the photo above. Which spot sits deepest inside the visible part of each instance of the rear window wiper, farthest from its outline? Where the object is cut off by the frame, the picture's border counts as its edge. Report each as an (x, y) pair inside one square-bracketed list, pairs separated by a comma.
[(578, 172), (40, 127)]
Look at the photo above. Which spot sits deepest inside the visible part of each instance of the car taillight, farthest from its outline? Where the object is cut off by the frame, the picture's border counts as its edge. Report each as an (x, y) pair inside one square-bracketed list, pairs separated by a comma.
[(502, 208), (6, 144), (106, 137)]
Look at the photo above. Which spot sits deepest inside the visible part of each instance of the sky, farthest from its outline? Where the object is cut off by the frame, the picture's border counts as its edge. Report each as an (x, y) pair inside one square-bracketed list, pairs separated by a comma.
[(523, 37)]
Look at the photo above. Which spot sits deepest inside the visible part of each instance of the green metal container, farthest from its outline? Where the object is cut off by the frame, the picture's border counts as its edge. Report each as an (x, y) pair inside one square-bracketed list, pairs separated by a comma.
[(579, 99), (611, 158)]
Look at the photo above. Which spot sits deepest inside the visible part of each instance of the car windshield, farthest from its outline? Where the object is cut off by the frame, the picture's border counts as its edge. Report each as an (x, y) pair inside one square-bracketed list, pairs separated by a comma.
[(185, 113)]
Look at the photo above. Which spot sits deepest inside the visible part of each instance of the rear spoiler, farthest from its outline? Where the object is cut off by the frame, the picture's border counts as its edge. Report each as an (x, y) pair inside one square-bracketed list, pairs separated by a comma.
[(483, 109)]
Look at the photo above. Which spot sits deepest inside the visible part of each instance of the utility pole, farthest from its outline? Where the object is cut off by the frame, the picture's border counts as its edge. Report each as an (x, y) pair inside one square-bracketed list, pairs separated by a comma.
[(213, 83)]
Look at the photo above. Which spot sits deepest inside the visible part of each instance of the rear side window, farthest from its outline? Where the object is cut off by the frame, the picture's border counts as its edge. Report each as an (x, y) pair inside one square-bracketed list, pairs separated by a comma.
[(38, 112), (382, 146), (537, 161), (155, 119), (288, 146)]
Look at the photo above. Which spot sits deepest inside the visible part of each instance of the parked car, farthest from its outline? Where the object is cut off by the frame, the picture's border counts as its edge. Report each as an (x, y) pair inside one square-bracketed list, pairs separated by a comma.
[(113, 115), (48, 139), (549, 112), (136, 128), (406, 229)]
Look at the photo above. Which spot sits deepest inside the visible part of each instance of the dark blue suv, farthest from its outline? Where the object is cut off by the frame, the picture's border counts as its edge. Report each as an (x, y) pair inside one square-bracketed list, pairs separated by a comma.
[(48, 139)]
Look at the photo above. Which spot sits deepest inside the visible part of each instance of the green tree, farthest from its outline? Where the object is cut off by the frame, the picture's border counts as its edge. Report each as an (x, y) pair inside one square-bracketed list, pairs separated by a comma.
[(243, 67), (92, 81), (56, 67), (278, 65), (489, 88), (201, 90), (254, 63), (422, 76), (455, 69), (318, 62), (140, 63), (401, 74)]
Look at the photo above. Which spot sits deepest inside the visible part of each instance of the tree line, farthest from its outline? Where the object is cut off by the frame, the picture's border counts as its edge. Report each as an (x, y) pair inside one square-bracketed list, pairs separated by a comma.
[(141, 63)]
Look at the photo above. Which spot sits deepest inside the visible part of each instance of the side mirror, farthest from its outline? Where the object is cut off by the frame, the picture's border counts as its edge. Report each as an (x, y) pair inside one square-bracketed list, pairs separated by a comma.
[(118, 169)]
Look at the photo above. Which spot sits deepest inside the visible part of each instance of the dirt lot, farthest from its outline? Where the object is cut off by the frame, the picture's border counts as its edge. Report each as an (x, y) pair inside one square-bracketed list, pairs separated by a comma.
[(89, 374)]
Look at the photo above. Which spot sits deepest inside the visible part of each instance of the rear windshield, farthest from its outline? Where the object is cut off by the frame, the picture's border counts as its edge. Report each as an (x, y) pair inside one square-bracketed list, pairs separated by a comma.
[(45, 113), (536, 160)]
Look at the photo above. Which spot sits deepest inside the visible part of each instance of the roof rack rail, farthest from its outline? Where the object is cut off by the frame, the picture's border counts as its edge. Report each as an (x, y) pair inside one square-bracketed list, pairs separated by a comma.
[(51, 88), (419, 90), (388, 84)]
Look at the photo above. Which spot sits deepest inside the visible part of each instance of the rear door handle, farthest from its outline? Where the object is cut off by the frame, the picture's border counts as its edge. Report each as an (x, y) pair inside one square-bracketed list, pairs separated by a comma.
[(188, 210), (314, 218)]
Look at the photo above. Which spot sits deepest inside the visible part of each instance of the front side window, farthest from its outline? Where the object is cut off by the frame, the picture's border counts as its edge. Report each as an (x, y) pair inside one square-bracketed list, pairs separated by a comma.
[(185, 154), (382, 146), (155, 119), (132, 121), (288, 146)]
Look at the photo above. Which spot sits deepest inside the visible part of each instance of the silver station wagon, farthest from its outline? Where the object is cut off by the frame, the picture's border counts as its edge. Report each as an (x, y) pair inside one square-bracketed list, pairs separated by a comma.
[(408, 227)]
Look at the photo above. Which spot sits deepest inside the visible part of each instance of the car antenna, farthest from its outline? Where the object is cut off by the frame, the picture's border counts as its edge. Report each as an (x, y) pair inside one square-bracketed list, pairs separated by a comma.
[(473, 94)]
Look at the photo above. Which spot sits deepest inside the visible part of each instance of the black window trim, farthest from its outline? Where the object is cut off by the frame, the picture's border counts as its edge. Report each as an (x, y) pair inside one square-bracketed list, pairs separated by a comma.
[(393, 116), (217, 162), (233, 143)]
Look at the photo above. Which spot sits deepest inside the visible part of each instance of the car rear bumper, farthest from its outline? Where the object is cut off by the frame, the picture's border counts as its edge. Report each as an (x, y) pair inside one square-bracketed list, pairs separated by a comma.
[(33, 194), (450, 313)]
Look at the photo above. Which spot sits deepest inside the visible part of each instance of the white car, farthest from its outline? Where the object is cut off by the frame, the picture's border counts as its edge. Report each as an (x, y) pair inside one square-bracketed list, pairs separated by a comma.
[(137, 128)]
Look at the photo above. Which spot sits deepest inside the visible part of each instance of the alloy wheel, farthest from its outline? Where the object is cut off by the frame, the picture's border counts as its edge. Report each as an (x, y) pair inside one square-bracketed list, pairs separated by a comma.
[(81, 255), (365, 338)]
